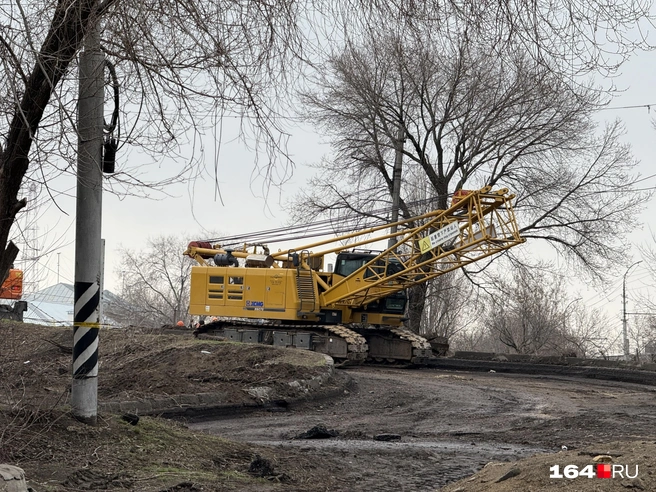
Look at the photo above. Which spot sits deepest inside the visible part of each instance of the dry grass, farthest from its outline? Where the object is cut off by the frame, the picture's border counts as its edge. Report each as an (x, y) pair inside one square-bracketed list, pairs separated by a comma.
[(59, 453)]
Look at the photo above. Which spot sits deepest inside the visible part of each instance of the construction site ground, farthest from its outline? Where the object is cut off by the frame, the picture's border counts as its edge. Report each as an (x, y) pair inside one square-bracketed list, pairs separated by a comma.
[(245, 416)]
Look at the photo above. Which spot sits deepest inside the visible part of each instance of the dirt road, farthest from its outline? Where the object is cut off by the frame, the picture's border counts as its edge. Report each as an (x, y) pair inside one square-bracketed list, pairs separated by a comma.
[(451, 424)]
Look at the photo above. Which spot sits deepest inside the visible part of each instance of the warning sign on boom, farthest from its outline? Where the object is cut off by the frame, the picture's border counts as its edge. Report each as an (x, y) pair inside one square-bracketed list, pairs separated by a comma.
[(440, 236)]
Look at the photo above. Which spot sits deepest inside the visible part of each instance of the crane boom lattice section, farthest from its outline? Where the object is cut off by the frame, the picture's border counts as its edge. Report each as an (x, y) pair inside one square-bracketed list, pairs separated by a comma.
[(479, 225)]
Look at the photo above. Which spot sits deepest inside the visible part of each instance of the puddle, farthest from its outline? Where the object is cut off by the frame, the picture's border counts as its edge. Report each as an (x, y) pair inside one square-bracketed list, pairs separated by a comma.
[(487, 449)]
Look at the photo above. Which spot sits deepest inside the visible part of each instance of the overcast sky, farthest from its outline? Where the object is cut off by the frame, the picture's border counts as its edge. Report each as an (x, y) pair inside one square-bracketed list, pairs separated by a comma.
[(636, 107), (193, 208)]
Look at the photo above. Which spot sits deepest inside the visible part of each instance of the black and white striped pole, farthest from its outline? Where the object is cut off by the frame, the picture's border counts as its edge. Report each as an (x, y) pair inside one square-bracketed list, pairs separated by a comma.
[(88, 246)]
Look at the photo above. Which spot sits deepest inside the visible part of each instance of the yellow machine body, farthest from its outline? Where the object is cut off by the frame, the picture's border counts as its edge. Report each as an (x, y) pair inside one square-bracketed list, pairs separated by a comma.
[(285, 294), (244, 292), (357, 311)]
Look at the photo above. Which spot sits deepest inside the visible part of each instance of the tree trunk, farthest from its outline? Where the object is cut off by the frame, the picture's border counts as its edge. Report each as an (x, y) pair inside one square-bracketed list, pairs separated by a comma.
[(416, 303), (7, 260), (417, 294), (64, 39)]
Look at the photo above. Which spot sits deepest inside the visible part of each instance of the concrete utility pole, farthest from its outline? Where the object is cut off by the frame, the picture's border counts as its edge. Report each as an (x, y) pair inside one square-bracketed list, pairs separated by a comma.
[(396, 183), (86, 320), (625, 332)]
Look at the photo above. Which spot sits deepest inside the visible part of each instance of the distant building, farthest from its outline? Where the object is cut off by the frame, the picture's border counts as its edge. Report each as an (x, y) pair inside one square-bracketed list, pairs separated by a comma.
[(54, 306)]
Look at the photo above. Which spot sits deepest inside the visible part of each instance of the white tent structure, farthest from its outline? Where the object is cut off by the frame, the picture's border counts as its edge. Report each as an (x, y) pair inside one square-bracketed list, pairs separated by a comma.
[(53, 306)]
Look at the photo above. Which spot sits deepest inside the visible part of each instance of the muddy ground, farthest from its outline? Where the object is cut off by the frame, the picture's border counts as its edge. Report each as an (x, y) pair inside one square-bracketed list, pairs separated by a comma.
[(453, 424), (444, 426)]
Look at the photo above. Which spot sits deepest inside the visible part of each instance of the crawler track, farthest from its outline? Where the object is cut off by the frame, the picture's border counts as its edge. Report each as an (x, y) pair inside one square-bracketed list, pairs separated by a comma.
[(357, 350), (338, 341), (345, 344), (421, 348)]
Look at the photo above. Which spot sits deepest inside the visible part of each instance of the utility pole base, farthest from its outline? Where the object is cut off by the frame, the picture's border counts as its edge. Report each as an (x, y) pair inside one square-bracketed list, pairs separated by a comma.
[(84, 400)]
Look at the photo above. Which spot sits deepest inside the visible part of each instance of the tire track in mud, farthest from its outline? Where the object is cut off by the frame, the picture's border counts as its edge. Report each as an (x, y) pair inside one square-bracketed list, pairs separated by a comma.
[(451, 424)]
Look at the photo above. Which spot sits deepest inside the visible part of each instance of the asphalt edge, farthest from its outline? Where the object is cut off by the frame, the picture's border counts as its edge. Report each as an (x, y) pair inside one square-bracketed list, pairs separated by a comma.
[(625, 375)]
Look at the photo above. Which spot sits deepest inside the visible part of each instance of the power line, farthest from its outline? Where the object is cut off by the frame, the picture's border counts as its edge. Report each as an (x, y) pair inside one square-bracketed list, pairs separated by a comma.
[(611, 294), (644, 179), (638, 106), (318, 228)]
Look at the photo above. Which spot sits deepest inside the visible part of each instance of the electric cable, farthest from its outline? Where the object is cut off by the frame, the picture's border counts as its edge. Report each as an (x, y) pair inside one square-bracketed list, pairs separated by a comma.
[(314, 229), (109, 128), (111, 143)]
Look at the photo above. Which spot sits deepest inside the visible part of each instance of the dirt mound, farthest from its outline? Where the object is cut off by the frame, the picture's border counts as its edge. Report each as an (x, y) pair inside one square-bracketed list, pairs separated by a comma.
[(60, 454), (38, 433), (134, 364)]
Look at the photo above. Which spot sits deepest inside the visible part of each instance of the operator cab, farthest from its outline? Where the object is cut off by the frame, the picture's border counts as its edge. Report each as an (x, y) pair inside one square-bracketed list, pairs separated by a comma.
[(348, 263)]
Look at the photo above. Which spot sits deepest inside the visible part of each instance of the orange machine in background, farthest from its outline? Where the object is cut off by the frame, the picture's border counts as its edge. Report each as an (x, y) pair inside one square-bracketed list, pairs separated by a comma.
[(12, 288)]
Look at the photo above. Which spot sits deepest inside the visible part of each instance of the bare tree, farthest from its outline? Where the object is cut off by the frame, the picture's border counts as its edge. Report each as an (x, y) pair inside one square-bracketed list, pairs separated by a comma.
[(177, 62), (646, 302), (470, 340), (585, 332), (180, 63), (532, 314), (642, 332), (451, 306), (155, 284), (577, 37), (649, 348), (472, 117), (528, 314), (474, 114)]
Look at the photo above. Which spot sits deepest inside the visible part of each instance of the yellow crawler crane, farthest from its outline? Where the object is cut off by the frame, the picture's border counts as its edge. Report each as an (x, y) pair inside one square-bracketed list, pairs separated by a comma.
[(356, 311)]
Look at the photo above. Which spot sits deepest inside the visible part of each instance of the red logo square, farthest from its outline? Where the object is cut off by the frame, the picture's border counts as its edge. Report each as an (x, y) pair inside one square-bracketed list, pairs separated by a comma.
[(603, 471)]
